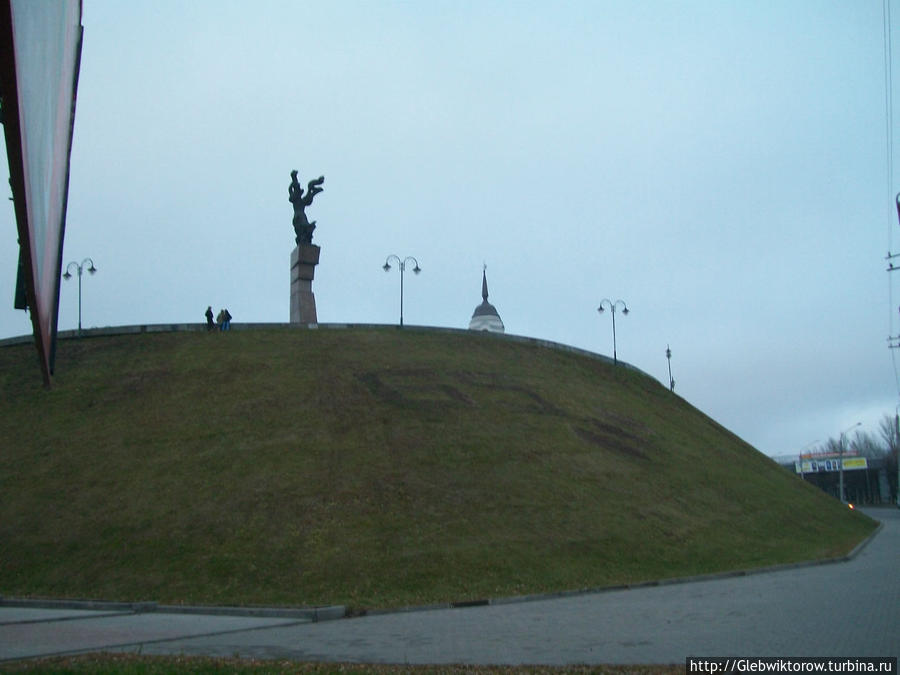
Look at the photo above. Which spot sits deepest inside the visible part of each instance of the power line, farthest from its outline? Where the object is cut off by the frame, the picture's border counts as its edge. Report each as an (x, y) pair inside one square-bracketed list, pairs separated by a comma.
[(894, 338)]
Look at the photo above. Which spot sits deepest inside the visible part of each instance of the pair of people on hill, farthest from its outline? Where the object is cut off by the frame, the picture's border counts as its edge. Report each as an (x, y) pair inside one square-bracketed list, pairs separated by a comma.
[(223, 319)]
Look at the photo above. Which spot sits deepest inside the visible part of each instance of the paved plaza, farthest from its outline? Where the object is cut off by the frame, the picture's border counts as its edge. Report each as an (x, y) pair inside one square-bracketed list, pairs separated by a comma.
[(838, 609)]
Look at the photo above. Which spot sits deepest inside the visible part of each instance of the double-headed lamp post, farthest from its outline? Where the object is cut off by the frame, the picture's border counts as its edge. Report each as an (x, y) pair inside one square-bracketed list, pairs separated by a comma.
[(402, 263), (841, 461), (68, 275), (612, 306)]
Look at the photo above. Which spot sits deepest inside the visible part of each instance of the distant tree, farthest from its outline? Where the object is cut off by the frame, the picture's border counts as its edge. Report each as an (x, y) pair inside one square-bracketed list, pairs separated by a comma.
[(890, 434), (883, 445), (832, 445), (861, 443), (866, 445), (887, 428)]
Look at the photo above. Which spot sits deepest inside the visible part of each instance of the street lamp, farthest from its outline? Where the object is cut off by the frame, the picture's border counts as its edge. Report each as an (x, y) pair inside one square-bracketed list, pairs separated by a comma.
[(402, 263), (612, 306), (841, 469), (68, 275), (669, 359)]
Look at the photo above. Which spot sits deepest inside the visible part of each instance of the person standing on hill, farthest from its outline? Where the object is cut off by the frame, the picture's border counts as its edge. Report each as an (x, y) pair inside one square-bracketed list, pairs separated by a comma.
[(227, 320), (209, 319), (220, 319)]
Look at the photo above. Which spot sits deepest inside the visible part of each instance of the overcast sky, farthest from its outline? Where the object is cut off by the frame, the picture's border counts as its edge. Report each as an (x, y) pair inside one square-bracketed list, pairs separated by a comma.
[(723, 167)]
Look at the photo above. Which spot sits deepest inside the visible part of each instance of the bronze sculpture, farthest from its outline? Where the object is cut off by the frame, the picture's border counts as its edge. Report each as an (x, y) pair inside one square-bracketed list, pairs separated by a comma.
[(302, 227)]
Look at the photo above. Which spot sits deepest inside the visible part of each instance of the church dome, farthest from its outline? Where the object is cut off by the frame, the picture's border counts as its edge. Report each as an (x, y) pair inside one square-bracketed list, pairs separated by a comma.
[(485, 316)]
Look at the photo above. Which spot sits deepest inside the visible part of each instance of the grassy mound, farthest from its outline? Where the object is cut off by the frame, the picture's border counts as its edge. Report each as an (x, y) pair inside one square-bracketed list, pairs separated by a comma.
[(373, 467)]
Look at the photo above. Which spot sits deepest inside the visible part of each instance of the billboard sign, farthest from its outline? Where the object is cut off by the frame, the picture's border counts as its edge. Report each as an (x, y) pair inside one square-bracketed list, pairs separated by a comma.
[(831, 464)]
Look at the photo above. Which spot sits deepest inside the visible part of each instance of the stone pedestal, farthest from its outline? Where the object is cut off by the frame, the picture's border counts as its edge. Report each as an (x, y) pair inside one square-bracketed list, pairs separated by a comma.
[(304, 259)]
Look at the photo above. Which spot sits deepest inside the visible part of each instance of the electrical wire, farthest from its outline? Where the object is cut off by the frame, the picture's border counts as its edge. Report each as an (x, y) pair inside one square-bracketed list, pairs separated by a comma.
[(889, 173)]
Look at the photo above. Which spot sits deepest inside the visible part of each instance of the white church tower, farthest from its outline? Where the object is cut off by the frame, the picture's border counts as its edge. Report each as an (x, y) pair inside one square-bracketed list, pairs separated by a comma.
[(485, 316)]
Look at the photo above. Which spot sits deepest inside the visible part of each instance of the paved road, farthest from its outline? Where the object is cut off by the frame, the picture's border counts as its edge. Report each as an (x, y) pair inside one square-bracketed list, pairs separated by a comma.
[(842, 609)]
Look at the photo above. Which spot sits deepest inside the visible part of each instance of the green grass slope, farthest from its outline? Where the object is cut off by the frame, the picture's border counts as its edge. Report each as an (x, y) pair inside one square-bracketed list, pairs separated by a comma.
[(373, 467)]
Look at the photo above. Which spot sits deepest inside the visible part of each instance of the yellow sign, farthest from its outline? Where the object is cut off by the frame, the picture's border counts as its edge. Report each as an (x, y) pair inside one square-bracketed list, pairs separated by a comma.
[(855, 463)]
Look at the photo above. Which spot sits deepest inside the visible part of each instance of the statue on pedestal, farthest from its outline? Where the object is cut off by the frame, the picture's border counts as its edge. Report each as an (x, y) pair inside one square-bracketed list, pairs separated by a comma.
[(302, 227)]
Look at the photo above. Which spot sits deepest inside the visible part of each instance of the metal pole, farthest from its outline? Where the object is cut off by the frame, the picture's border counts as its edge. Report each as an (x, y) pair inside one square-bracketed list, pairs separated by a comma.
[(669, 360), (841, 480), (841, 460), (79, 299), (402, 268), (387, 266), (612, 307), (615, 360), (80, 269), (897, 453)]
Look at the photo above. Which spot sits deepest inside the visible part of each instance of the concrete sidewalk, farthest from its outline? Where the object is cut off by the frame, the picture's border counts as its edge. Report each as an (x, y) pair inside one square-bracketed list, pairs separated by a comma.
[(841, 609), (27, 633)]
